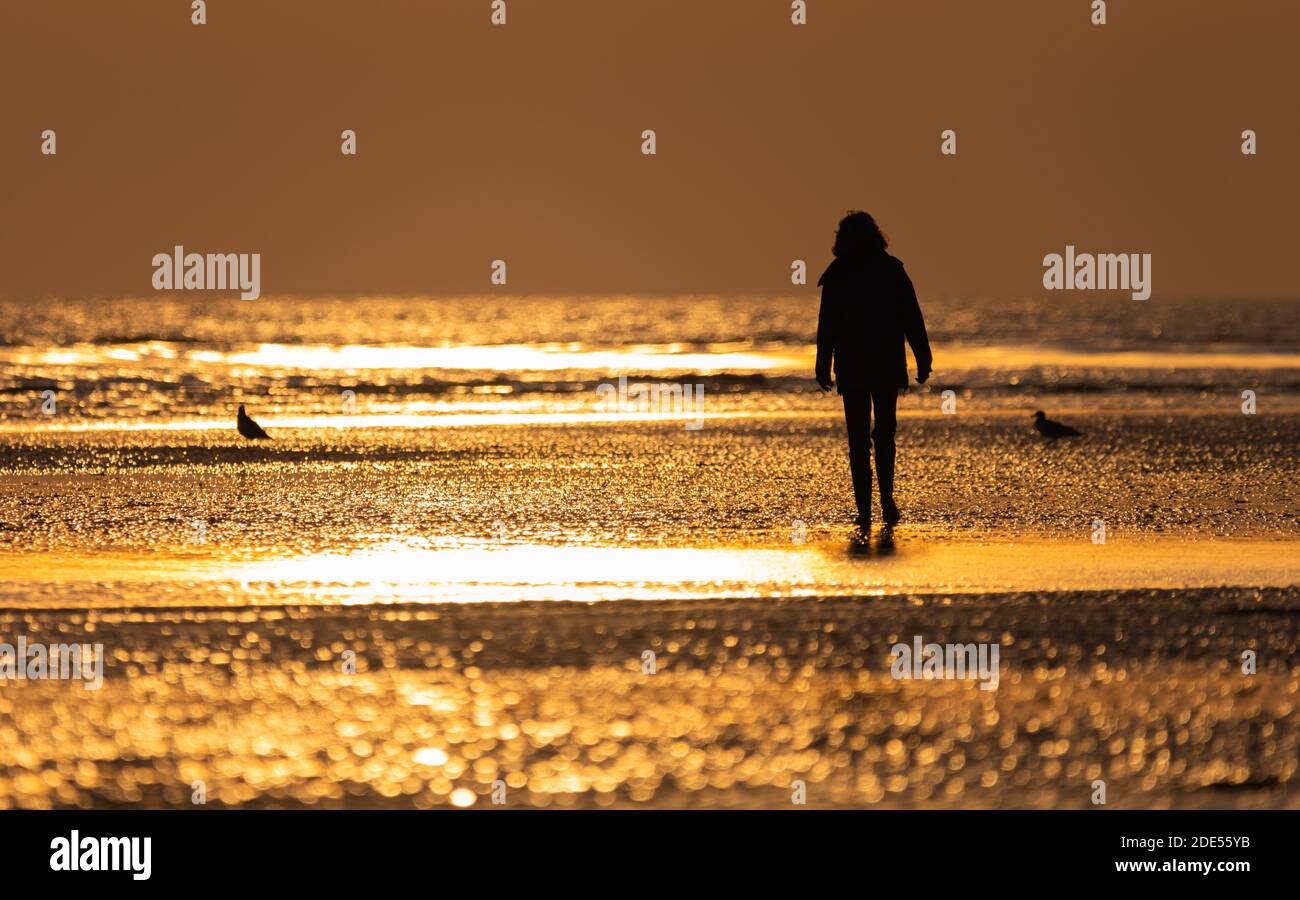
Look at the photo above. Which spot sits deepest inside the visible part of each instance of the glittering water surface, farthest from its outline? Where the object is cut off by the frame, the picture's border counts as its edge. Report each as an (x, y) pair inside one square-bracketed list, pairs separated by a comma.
[(169, 361), (475, 582)]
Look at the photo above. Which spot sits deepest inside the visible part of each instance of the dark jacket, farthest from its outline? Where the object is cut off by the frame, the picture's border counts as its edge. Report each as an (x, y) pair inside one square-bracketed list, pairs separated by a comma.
[(868, 308)]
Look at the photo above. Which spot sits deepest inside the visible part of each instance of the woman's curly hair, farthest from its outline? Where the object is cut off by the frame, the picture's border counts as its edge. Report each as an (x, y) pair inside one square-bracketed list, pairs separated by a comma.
[(858, 234)]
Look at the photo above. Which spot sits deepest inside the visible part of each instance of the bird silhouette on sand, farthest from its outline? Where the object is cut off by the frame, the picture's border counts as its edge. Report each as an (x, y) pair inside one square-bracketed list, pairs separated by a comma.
[(248, 428), (1053, 430)]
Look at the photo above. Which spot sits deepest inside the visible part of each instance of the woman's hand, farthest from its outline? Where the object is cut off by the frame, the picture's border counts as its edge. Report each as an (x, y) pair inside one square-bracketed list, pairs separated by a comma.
[(824, 381), (923, 375)]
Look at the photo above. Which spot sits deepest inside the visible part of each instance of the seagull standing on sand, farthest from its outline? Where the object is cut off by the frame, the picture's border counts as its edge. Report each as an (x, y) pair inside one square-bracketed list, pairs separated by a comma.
[(1047, 428), (248, 428)]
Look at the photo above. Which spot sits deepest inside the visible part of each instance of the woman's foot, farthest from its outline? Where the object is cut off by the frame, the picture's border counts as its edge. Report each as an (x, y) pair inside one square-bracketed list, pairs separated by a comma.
[(890, 511), (862, 521)]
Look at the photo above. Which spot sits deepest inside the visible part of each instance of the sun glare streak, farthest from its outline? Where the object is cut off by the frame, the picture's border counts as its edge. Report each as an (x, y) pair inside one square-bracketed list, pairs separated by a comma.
[(631, 360), (476, 570)]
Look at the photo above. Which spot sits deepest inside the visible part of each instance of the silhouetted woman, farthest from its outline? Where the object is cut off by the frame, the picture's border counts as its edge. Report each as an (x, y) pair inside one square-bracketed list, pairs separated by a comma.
[(868, 309)]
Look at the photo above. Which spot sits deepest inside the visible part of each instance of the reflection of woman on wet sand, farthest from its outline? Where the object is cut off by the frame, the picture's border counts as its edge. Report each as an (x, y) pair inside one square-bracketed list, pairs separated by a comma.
[(868, 308)]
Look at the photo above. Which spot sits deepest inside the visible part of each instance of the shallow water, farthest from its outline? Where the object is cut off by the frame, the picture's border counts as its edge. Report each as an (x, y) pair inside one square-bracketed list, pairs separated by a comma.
[(172, 360), (452, 586)]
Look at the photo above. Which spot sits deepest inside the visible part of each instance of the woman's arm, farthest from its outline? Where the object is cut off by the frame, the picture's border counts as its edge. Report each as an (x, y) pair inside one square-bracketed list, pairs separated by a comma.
[(914, 329), (825, 342)]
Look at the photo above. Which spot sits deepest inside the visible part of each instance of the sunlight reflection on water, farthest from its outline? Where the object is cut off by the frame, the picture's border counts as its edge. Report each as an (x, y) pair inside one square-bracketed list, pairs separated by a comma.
[(741, 357), (485, 571)]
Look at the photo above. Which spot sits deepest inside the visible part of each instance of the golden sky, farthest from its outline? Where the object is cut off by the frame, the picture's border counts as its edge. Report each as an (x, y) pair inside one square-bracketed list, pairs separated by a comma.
[(522, 142)]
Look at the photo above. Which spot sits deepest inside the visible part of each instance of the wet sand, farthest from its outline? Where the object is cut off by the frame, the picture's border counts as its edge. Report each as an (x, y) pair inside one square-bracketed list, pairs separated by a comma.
[(1198, 473), (771, 630)]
